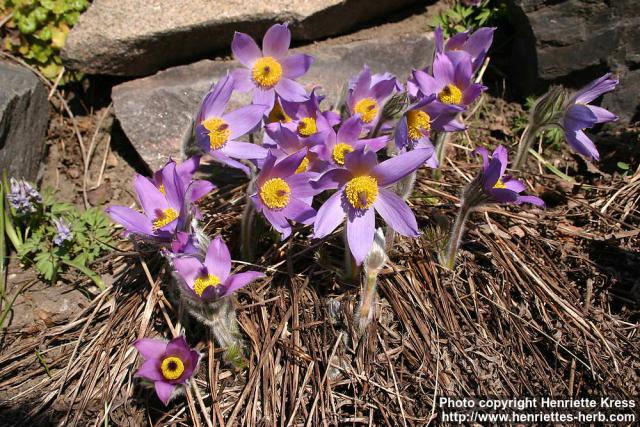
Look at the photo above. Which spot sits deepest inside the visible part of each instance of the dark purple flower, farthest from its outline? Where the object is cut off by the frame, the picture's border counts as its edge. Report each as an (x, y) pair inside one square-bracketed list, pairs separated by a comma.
[(63, 232), (362, 188), (579, 115), (184, 243), (452, 84), (308, 120), (367, 95), (270, 71), (346, 140), (211, 280), (496, 186), (286, 142), (282, 194), (167, 365), (23, 197), (473, 46), (162, 210), (217, 132)]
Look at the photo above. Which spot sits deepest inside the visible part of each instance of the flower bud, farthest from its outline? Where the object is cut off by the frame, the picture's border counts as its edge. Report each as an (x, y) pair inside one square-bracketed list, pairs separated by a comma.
[(547, 109), (395, 105)]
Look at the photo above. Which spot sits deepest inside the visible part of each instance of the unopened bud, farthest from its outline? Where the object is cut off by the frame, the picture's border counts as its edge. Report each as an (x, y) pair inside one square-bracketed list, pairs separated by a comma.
[(395, 105), (547, 109), (377, 256)]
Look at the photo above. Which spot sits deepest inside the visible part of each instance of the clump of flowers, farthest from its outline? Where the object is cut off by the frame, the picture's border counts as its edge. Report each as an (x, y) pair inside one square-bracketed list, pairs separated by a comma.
[(315, 170)]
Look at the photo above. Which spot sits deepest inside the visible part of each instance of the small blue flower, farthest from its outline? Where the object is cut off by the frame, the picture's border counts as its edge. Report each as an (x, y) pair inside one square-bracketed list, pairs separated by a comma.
[(64, 233), (23, 197)]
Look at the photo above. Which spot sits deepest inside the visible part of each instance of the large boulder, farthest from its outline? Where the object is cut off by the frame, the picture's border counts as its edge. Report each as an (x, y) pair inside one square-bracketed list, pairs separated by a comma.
[(140, 37), (155, 112), (24, 114), (575, 41)]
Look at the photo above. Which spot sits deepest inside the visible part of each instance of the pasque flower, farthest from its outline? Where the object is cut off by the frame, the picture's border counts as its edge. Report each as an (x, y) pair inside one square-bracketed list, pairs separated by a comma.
[(270, 71), (451, 83), (287, 142), (308, 120), (162, 210), (211, 280), (579, 115), (362, 188), (338, 144), (367, 94), (167, 365), (282, 194), (217, 132), (473, 45), (495, 185)]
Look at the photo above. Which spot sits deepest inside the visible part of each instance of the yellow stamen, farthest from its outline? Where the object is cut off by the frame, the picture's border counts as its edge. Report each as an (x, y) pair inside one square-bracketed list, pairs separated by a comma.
[(275, 193), (362, 191), (266, 72), (219, 132), (499, 184), (165, 217), (304, 164), (162, 190), (450, 94), (340, 151), (418, 122), (307, 126), (204, 282), (367, 108), (172, 368), (277, 114)]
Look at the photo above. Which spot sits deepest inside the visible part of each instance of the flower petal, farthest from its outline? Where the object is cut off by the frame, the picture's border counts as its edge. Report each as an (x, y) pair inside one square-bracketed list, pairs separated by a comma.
[(294, 66), (244, 150), (602, 115), (579, 117), (149, 196), (396, 213), (595, 89), (276, 41), (264, 97), (443, 71), (360, 232), (580, 142), (245, 49), (299, 211), (401, 135), (149, 370), (242, 81), (240, 280), (164, 391), (188, 267), (150, 348), (329, 216), (244, 119), (350, 130), (278, 221), (216, 100), (132, 220), (396, 168), (531, 199), (200, 188), (290, 90), (218, 259)]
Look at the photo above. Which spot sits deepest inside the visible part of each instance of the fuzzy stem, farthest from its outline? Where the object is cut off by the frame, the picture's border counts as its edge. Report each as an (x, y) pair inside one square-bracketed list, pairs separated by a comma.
[(456, 234), (365, 310), (247, 239), (223, 323), (352, 270), (526, 140), (441, 149)]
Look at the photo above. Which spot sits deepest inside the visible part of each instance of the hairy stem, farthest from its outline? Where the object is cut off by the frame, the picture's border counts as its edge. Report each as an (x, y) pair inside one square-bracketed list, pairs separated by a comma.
[(247, 225), (223, 323), (365, 309), (352, 270), (456, 234), (442, 141), (526, 140)]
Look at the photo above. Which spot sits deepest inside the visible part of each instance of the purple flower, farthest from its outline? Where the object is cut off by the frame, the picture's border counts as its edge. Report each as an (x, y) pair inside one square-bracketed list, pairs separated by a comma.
[(362, 188), (211, 280), (366, 96), (308, 120), (420, 119), (473, 46), (282, 194), (338, 145), (168, 365), (23, 197), (163, 211), (287, 142), (579, 115), (217, 131), (452, 84), (184, 243), (494, 184), (270, 71), (63, 232)]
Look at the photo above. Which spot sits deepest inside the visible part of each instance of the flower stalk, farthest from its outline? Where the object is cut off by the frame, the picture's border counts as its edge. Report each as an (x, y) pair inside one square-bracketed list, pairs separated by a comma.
[(373, 264)]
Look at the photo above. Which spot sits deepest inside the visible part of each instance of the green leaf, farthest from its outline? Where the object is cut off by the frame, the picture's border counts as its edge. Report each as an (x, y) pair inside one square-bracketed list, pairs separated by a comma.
[(624, 166), (27, 25)]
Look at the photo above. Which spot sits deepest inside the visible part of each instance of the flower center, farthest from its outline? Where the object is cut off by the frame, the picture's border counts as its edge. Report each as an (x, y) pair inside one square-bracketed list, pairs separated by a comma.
[(266, 72), (367, 108), (362, 191), (277, 114), (219, 132), (418, 122), (304, 164), (499, 184), (172, 368), (307, 126), (339, 151), (204, 282), (164, 217), (450, 94), (275, 193)]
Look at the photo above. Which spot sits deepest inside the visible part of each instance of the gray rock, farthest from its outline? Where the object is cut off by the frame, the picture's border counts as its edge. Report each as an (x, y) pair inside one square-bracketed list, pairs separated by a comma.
[(155, 112), (575, 41), (24, 114), (140, 37)]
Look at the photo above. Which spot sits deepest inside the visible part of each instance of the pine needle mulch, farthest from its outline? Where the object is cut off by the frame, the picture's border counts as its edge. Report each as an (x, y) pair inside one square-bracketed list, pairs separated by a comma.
[(541, 303)]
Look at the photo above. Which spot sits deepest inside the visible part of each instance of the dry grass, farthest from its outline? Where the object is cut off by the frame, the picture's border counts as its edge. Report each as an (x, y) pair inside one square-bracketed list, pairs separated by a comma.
[(542, 303)]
